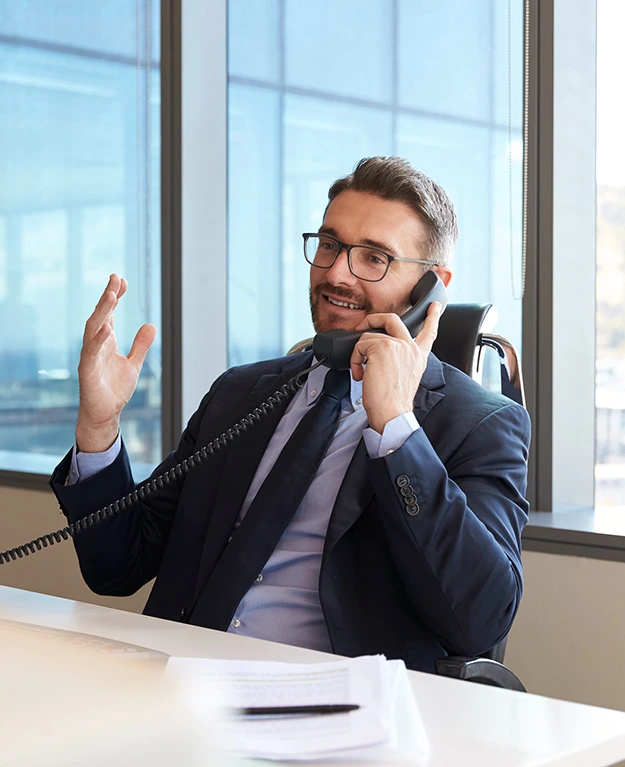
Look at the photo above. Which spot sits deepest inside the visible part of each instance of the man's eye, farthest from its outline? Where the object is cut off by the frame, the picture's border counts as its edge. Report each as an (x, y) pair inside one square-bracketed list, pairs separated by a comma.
[(375, 258), (327, 245)]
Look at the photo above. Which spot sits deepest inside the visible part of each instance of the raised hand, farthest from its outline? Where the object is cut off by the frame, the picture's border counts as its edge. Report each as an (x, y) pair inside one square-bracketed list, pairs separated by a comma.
[(107, 378)]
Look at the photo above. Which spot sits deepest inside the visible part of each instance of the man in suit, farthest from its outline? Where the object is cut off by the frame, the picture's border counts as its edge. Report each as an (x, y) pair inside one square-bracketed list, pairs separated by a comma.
[(406, 541)]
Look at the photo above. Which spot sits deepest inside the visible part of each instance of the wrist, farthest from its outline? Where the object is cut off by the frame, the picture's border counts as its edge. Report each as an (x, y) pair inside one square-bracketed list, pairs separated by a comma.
[(96, 438), (378, 421)]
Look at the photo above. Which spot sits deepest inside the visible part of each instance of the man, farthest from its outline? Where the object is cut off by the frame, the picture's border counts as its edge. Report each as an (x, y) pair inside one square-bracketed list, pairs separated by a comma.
[(406, 541)]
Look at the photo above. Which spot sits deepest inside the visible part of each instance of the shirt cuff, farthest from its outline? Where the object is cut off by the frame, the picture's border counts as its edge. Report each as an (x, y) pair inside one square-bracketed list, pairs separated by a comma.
[(395, 433), (85, 465)]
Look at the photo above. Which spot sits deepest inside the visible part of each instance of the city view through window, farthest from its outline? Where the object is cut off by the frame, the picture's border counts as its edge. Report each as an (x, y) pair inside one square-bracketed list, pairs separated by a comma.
[(79, 199), (610, 320)]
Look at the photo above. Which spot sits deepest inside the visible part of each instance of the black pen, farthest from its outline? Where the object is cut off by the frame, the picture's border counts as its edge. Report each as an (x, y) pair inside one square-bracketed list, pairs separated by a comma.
[(334, 708)]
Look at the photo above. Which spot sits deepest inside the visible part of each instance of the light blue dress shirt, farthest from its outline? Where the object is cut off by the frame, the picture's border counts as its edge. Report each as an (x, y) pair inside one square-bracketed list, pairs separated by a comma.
[(283, 604)]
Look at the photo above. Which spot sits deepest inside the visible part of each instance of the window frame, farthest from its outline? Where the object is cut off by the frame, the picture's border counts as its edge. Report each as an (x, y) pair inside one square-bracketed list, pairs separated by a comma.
[(169, 9), (194, 290), (560, 481), (561, 405)]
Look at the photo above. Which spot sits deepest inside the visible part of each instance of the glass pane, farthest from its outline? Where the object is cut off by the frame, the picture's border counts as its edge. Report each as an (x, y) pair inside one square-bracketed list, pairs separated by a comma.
[(445, 57), (457, 156), (472, 165), (254, 315), (258, 22), (507, 63), (106, 26), (456, 92), (340, 47), (610, 331), (322, 140), (74, 178)]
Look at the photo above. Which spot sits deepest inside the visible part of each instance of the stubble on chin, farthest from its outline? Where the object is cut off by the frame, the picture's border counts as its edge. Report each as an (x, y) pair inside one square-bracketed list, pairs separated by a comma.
[(315, 297)]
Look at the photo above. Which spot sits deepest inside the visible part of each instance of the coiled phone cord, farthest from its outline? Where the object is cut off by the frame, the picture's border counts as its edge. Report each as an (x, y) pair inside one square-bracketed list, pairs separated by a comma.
[(284, 393)]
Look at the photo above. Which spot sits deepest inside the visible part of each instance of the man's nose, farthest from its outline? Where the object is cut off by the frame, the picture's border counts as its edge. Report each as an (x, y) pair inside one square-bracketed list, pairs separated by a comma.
[(340, 272)]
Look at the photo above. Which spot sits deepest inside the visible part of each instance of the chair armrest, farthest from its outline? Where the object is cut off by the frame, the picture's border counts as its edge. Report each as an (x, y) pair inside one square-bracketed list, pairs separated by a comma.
[(481, 670)]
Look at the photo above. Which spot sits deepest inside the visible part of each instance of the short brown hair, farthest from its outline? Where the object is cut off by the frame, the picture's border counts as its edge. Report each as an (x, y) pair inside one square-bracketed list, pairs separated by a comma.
[(393, 178)]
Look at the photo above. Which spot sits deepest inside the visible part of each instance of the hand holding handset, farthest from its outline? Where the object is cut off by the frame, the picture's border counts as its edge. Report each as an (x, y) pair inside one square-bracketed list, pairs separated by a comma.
[(335, 347)]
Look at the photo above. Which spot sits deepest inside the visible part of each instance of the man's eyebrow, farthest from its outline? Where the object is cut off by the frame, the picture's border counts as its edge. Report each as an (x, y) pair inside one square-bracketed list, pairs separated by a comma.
[(380, 246), (384, 247)]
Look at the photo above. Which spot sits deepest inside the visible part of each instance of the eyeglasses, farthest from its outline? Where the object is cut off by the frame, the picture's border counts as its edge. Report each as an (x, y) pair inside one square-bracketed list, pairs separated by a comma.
[(365, 263)]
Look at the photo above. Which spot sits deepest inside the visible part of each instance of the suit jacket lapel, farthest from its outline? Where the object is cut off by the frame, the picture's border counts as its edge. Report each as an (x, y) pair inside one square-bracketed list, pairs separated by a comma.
[(356, 491), (430, 389), (354, 496), (242, 460)]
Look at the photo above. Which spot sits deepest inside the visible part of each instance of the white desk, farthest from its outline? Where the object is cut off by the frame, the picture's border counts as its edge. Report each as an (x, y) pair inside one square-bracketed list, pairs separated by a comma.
[(467, 724)]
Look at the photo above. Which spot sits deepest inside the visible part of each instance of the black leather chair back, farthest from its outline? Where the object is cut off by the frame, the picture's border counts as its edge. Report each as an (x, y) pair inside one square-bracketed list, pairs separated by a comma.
[(459, 333), (461, 342)]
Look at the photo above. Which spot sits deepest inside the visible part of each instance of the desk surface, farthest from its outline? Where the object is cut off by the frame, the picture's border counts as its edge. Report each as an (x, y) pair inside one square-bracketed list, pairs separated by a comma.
[(466, 724)]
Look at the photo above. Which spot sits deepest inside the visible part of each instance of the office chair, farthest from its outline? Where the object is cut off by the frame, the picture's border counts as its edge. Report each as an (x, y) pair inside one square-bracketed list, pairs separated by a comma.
[(463, 335), (464, 332)]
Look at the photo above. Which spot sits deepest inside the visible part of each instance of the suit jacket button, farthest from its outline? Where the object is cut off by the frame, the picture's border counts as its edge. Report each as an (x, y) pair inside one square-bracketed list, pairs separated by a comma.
[(410, 500), (412, 509), (183, 612), (402, 480), (407, 490)]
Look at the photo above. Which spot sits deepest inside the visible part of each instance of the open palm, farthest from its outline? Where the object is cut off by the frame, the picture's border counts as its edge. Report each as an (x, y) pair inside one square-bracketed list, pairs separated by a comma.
[(107, 378)]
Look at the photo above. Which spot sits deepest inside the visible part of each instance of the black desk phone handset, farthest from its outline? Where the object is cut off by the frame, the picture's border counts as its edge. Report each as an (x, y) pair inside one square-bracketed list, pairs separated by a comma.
[(335, 347), (332, 348)]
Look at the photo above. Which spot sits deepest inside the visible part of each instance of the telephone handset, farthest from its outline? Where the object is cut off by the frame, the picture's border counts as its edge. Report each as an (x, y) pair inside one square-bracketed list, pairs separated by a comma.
[(335, 347), (332, 348)]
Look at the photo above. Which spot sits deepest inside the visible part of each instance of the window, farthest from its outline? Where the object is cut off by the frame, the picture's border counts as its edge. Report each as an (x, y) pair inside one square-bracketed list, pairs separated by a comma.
[(305, 102), (610, 338), (314, 87), (79, 199)]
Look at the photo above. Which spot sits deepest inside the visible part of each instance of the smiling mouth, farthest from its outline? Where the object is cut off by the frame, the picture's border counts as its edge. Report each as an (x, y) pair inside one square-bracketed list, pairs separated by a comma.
[(343, 304)]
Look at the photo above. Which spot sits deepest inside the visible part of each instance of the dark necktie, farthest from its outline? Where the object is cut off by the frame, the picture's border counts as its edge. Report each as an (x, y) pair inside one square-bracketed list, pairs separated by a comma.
[(276, 501)]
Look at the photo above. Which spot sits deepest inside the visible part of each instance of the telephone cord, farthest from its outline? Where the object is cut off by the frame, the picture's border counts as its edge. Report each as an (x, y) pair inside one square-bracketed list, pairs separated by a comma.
[(152, 486)]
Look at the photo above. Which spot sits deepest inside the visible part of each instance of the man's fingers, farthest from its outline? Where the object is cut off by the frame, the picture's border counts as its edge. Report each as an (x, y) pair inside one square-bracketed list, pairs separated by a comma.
[(427, 335), (91, 348), (104, 307), (356, 362), (140, 346), (365, 346), (390, 323), (115, 289), (123, 287)]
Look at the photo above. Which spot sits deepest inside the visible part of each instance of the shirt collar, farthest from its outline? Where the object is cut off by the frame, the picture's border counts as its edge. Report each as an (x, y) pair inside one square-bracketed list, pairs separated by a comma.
[(314, 386)]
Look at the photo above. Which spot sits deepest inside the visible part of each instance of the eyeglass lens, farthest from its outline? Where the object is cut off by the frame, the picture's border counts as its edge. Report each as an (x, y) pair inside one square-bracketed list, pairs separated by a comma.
[(366, 264)]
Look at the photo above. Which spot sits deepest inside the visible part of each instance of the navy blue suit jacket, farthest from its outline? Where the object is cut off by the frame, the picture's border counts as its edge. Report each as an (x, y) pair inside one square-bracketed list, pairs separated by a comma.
[(444, 580)]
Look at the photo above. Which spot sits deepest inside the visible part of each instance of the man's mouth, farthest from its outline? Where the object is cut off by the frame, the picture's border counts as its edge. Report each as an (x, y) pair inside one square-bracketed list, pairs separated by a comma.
[(343, 304)]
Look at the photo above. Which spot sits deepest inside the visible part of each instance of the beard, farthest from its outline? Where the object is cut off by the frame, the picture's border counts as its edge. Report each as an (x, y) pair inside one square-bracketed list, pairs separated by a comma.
[(316, 296)]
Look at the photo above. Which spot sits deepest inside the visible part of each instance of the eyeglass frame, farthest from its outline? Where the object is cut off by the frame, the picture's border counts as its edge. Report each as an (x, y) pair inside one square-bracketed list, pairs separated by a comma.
[(345, 246)]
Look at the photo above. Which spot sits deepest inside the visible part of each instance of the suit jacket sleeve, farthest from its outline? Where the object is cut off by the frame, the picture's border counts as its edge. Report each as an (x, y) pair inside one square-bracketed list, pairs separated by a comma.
[(459, 555), (121, 554)]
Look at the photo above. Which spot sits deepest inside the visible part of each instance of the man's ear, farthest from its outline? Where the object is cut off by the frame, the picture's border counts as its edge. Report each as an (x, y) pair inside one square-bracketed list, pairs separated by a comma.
[(444, 273)]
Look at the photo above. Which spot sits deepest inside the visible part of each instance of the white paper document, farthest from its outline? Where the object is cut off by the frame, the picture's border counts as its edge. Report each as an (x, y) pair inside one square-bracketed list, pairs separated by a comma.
[(387, 722)]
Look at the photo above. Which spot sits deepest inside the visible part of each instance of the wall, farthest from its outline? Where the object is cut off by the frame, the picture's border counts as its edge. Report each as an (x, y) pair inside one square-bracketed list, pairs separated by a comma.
[(567, 641), (25, 515)]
